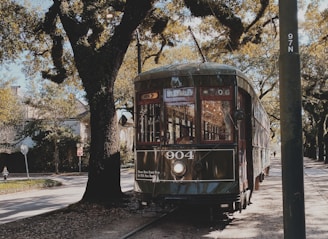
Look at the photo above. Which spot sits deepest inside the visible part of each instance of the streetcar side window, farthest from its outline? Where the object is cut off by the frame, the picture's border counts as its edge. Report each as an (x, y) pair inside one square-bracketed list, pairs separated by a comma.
[(180, 126), (216, 120), (148, 123)]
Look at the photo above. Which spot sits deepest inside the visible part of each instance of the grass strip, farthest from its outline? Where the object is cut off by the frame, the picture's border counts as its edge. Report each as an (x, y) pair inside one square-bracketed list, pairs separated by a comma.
[(12, 186)]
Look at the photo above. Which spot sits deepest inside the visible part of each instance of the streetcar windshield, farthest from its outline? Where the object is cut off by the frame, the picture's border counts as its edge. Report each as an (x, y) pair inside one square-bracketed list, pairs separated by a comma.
[(182, 120), (180, 128)]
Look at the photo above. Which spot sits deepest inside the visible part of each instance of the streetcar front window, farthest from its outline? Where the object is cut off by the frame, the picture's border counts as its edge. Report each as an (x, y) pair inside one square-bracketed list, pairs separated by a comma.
[(216, 122), (148, 123), (180, 123)]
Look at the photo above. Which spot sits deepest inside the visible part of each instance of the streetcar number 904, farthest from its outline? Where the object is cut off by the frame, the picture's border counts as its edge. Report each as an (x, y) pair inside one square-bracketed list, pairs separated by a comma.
[(179, 154)]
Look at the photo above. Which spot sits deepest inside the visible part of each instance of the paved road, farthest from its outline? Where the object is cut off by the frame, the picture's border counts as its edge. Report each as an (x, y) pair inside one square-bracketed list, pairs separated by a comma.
[(20, 205)]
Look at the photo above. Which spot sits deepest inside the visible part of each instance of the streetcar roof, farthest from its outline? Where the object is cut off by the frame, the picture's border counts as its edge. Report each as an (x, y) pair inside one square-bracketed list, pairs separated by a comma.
[(197, 69), (187, 69)]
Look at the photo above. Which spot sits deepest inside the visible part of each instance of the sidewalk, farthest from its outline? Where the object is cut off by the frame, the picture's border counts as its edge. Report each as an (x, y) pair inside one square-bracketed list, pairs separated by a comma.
[(316, 198), (264, 217)]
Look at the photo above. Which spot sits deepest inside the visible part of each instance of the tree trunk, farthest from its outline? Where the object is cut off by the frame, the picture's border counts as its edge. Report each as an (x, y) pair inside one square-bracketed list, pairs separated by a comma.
[(326, 148), (310, 145), (321, 143), (104, 163), (56, 156)]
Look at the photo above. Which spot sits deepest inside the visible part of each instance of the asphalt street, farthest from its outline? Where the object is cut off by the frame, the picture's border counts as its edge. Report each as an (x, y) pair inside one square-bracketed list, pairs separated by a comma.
[(15, 206)]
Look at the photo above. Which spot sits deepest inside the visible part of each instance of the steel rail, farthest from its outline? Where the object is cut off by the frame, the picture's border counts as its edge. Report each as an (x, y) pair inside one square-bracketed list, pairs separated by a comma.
[(142, 227)]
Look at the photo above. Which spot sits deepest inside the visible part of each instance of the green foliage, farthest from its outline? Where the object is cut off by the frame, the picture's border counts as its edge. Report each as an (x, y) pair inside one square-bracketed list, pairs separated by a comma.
[(315, 81), (16, 24), (9, 107), (53, 102), (11, 116), (42, 153)]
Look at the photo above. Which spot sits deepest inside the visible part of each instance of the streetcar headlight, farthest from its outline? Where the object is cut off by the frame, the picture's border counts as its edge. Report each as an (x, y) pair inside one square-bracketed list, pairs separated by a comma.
[(179, 168)]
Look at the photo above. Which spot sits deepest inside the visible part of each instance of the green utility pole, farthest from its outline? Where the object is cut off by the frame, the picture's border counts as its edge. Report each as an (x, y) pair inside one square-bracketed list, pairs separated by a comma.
[(139, 52), (291, 122)]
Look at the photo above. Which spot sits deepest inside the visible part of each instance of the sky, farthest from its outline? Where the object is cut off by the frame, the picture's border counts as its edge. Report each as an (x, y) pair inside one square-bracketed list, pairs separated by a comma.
[(13, 70)]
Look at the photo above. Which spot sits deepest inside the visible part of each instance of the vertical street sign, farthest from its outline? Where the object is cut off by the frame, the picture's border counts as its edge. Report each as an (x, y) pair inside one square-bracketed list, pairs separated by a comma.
[(79, 153), (24, 150), (291, 122)]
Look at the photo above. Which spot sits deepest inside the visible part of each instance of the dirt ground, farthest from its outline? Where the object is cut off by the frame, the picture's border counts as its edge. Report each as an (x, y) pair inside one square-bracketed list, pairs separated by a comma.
[(262, 219)]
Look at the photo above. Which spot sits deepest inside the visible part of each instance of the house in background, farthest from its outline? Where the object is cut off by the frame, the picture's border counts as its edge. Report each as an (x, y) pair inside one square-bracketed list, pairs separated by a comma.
[(79, 124), (12, 137)]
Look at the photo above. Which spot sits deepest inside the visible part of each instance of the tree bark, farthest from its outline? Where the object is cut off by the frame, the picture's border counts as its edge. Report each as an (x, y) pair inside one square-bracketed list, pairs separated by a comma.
[(104, 164), (320, 135), (326, 148), (56, 156), (310, 144)]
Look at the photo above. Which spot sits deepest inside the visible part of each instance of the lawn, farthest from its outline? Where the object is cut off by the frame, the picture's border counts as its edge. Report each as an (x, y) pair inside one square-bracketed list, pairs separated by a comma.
[(11, 186)]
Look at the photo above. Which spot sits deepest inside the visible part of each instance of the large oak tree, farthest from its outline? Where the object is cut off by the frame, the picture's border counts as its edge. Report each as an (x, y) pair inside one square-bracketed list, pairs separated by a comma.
[(99, 33)]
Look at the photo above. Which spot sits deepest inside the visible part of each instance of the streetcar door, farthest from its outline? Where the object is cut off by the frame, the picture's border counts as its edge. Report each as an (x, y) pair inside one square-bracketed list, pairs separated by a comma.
[(148, 136), (245, 142)]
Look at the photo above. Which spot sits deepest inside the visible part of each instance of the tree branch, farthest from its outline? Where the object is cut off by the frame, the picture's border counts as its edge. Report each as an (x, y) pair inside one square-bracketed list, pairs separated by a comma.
[(157, 54), (57, 57), (264, 5), (134, 13), (224, 14)]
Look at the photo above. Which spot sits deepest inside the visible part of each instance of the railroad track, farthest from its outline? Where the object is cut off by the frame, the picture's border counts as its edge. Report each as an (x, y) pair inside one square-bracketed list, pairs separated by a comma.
[(148, 224), (177, 220)]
